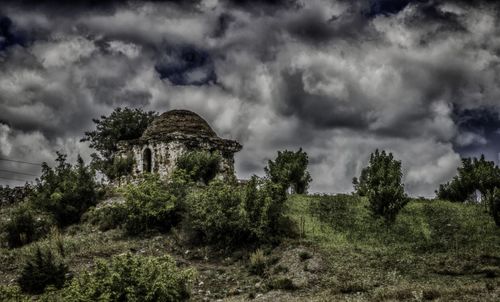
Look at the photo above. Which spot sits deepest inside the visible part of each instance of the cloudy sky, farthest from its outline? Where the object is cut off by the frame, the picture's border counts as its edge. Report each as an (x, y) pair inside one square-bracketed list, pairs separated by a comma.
[(338, 78)]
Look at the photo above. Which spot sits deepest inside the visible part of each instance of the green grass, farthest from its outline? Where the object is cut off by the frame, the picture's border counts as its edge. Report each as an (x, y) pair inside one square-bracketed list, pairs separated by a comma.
[(434, 250)]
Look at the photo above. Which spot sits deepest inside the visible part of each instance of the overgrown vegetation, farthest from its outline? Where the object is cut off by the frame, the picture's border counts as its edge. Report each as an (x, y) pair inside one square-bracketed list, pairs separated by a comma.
[(65, 191), (323, 247), (131, 277), (201, 166), (225, 214), (25, 225), (150, 205), (474, 174), (42, 269), (121, 124), (381, 183), (290, 170)]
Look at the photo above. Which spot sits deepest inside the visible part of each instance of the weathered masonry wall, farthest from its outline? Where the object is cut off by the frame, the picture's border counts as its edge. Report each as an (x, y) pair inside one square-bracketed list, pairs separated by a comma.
[(164, 156)]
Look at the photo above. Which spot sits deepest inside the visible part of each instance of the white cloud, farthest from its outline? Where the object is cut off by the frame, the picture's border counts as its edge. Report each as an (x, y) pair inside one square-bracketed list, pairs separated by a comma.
[(63, 52), (391, 82)]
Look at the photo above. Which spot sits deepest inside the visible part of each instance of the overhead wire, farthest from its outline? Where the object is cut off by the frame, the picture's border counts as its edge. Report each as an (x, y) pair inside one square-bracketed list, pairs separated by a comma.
[(16, 179), (15, 172), (20, 161)]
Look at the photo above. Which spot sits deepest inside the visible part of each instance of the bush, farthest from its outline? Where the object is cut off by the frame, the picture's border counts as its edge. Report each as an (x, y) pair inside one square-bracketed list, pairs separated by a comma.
[(381, 183), (132, 278), (107, 217), (474, 174), (265, 204), (42, 269), (216, 214), (493, 201), (290, 170), (119, 166), (25, 226), (150, 205), (226, 214), (11, 293), (65, 191), (258, 262), (201, 166)]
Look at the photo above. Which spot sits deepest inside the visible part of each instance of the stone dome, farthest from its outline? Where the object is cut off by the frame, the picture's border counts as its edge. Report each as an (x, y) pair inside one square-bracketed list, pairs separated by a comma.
[(182, 122)]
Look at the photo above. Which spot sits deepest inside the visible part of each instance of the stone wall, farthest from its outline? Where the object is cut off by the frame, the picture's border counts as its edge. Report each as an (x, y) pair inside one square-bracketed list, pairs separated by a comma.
[(164, 156)]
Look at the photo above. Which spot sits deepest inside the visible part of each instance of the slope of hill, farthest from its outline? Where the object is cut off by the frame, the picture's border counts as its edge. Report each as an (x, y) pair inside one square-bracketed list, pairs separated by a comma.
[(436, 250)]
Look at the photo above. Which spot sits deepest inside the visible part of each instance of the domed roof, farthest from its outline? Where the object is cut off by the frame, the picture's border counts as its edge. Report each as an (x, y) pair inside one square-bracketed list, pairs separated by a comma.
[(178, 121)]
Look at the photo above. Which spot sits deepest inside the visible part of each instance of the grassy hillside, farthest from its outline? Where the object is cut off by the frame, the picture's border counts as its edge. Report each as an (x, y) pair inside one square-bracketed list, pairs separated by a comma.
[(436, 250)]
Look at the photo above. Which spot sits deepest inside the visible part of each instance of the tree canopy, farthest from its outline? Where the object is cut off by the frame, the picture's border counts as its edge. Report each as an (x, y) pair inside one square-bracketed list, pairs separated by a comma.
[(474, 174), (121, 124), (381, 182), (290, 169)]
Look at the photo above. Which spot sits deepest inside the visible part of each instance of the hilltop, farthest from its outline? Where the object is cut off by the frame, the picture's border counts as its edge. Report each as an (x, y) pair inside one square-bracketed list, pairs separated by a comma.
[(436, 250)]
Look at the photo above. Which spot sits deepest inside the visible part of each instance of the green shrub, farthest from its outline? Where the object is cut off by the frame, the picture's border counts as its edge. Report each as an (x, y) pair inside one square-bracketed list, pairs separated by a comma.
[(474, 174), (132, 278), (42, 269), (25, 226), (226, 214), (493, 201), (201, 166), (107, 217), (65, 191), (290, 170), (216, 214), (265, 204), (258, 262), (381, 183), (284, 283), (11, 293), (149, 205), (119, 167)]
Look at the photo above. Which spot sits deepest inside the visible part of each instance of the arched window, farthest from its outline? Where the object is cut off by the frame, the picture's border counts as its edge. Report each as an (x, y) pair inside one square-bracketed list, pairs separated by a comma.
[(146, 161)]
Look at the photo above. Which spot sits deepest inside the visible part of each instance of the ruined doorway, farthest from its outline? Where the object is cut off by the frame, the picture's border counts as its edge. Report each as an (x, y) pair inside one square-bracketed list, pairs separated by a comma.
[(146, 161)]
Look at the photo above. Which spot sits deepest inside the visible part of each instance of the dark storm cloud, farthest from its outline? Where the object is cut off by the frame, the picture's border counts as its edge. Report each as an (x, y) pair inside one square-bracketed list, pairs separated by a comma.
[(186, 65), (388, 7), (8, 34), (338, 78), (223, 22), (313, 27), (319, 110), (480, 131), (263, 6)]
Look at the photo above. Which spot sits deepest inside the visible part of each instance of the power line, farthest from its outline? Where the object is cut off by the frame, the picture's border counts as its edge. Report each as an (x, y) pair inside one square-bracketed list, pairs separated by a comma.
[(9, 171), (16, 179), (20, 161)]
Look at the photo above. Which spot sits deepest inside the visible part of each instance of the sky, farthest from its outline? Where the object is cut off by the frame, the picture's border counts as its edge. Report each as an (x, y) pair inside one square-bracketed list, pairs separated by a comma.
[(337, 78)]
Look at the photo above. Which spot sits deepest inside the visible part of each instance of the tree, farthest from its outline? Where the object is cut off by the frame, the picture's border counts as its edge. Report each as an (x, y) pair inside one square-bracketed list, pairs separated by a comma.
[(380, 181), (121, 124), (290, 169), (65, 191), (474, 174)]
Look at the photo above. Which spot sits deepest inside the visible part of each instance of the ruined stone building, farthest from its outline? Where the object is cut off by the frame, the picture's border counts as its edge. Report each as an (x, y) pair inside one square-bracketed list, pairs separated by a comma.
[(172, 134)]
